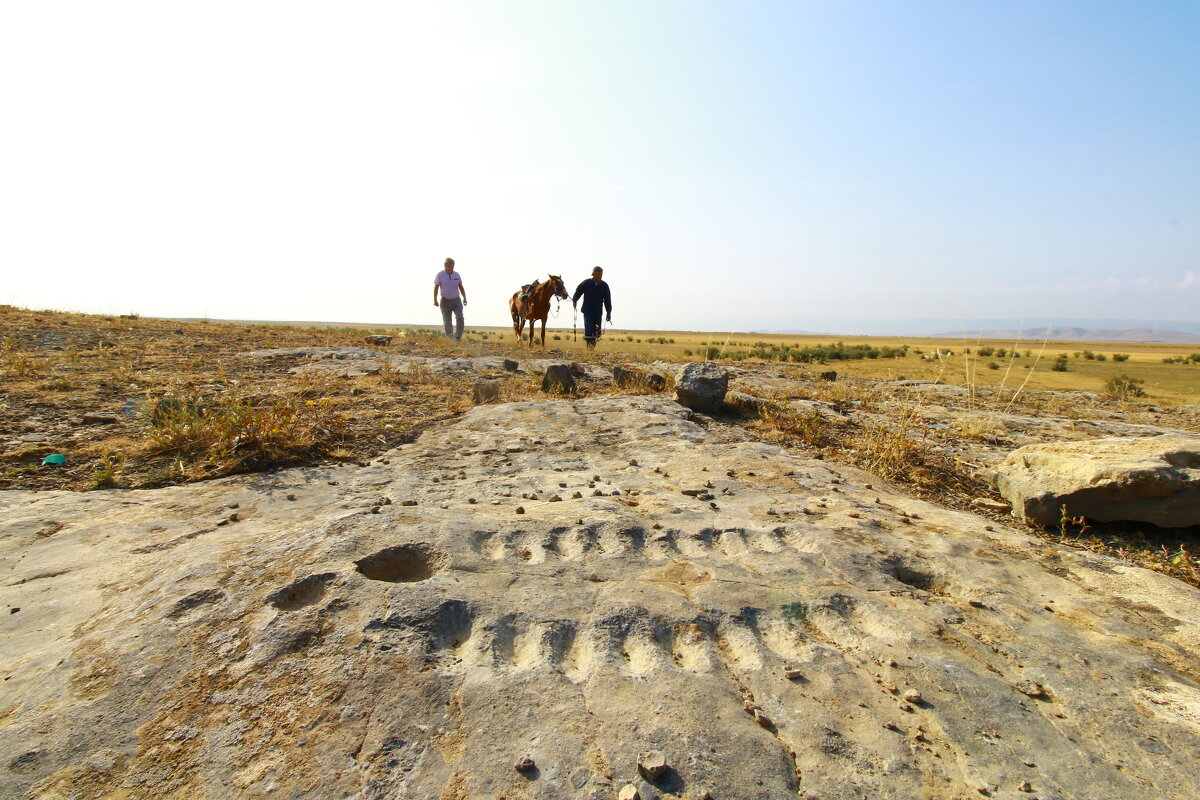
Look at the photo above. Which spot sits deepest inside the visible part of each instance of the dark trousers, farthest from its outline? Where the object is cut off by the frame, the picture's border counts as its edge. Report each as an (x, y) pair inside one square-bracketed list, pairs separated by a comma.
[(591, 326)]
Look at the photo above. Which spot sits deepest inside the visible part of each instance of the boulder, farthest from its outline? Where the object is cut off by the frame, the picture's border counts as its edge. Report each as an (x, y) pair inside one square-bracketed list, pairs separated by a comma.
[(377, 339), (746, 404), (510, 365), (558, 380), (702, 386), (1154, 480), (485, 391), (630, 378), (829, 375)]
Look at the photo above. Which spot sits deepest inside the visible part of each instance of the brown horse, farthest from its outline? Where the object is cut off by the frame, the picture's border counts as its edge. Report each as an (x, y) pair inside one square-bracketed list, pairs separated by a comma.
[(536, 305)]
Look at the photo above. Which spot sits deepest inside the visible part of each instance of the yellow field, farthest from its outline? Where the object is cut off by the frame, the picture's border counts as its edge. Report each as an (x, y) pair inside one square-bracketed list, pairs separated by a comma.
[(927, 359), (946, 359)]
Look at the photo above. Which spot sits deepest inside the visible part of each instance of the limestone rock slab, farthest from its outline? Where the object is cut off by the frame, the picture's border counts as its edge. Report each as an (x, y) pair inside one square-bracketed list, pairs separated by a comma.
[(1154, 479), (397, 631)]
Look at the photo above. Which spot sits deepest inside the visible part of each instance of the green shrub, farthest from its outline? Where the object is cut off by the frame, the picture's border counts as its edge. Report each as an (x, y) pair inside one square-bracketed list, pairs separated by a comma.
[(1120, 356), (1101, 357), (993, 365), (1060, 364), (986, 352), (1124, 387)]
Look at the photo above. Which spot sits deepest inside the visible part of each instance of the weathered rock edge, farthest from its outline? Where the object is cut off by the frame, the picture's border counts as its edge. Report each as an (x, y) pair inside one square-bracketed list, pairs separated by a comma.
[(1154, 479)]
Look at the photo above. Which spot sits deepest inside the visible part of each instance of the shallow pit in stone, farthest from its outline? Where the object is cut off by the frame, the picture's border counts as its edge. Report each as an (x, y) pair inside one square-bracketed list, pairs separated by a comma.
[(406, 563), (301, 593)]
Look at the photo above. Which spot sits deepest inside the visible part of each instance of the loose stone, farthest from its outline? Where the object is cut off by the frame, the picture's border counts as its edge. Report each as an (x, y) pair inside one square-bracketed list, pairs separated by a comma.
[(653, 764), (912, 696), (525, 765)]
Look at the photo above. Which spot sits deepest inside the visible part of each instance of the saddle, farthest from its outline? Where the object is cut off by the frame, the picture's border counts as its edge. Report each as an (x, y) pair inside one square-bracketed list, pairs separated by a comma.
[(527, 291)]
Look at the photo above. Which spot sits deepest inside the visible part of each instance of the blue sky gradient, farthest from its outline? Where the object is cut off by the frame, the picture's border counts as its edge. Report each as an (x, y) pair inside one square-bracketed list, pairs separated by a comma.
[(732, 165)]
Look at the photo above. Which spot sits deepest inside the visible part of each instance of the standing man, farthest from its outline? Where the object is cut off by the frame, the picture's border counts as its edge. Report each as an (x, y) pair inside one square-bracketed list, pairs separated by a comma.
[(595, 294), (454, 298)]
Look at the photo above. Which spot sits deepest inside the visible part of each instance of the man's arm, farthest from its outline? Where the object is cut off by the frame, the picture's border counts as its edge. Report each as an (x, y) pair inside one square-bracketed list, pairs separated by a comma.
[(607, 302), (578, 291), (462, 290), (435, 293)]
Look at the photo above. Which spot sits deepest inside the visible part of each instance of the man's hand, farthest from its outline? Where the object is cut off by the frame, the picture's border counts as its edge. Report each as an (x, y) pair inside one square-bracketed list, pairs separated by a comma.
[(609, 320), (464, 302), (574, 304)]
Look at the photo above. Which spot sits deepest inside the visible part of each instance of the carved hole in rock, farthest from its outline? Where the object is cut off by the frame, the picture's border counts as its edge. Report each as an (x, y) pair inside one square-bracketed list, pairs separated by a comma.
[(406, 563), (916, 578), (301, 593)]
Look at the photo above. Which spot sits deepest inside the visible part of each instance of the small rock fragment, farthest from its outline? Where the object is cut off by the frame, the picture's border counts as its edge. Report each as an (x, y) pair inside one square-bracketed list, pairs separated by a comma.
[(291, 497), (1024, 786), (791, 673), (1031, 688), (652, 764), (525, 765), (912, 696), (629, 792), (408, 502), (520, 509)]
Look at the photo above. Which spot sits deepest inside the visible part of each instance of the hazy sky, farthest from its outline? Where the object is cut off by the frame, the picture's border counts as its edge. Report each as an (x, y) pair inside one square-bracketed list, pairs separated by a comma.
[(731, 165)]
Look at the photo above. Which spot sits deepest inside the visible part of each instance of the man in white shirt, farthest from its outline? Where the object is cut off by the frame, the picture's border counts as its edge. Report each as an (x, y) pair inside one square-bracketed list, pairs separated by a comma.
[(454, 298)]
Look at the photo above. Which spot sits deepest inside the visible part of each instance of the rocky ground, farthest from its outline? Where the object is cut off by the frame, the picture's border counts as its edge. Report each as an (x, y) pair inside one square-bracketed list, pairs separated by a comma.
[(579, 583), (584, 597)]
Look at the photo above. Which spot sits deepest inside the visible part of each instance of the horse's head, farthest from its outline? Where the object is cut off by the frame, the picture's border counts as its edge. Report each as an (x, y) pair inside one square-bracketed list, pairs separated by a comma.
[(560, 291)]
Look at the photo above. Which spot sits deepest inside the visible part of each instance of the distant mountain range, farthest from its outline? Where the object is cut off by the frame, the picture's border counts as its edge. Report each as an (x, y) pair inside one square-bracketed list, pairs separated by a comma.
[(1086, 330), (1080, 335)]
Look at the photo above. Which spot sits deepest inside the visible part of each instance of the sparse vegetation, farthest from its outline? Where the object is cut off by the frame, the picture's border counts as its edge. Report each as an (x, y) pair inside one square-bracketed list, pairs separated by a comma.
[(1124, 387), (226, 412)]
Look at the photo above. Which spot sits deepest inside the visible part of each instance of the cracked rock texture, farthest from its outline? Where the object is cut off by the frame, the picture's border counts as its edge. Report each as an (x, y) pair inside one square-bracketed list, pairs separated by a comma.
[(772, 625)]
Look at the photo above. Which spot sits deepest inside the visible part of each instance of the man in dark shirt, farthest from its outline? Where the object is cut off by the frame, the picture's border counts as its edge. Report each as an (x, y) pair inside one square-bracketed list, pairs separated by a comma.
[(595, 294)]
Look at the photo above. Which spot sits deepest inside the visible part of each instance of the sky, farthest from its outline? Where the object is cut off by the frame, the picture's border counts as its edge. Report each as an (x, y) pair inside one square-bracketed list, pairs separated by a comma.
[(732, 165)]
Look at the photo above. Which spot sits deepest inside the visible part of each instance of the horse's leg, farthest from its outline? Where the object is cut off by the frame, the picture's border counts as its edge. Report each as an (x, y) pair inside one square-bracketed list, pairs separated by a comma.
[(543, 332)]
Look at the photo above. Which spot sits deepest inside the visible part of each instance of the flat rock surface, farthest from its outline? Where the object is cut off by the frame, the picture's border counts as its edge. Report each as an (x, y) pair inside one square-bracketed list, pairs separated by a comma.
[(400, 631)]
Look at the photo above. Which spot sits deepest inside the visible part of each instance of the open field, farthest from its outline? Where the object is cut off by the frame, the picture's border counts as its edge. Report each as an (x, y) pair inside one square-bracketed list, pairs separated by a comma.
[(1026, 364)]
